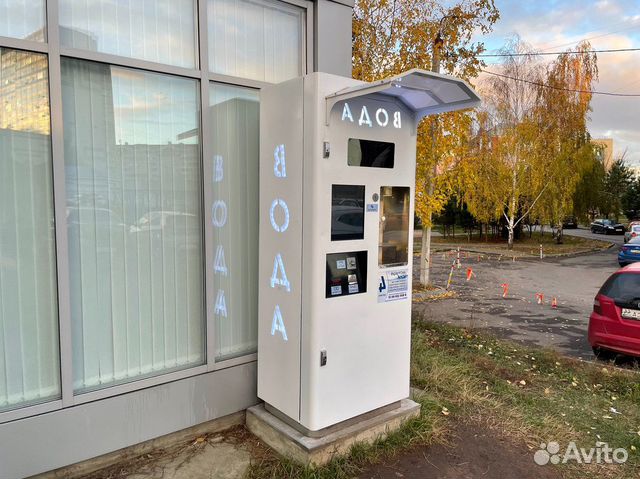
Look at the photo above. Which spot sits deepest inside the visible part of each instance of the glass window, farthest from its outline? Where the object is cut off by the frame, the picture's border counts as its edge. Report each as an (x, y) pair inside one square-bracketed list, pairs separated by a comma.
[(134, 189), (371, 154), (255, 39), (394, 226), (347, 212), (235, 118), (161, 31), (23, 19), (29, 357), (622, 287)]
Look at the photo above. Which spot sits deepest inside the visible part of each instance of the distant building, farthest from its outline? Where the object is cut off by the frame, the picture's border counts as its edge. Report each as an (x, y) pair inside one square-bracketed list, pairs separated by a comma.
[(604, 151), (24, 92)]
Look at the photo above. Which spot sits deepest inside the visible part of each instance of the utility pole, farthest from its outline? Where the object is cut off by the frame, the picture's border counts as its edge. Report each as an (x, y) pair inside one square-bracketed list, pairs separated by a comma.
[(425, 245)]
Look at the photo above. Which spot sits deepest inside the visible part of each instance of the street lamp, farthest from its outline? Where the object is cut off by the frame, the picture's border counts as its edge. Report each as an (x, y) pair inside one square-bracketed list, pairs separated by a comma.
[(438, 43)]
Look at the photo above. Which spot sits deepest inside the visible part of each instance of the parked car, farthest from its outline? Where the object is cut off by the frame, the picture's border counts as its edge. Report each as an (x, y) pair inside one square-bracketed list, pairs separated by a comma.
[(614, 324), (570, 222), (631, 231), (629, 252), (607, 227)]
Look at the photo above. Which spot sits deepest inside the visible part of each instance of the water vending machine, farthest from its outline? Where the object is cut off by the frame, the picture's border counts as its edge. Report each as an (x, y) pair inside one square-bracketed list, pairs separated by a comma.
[(337, 179)]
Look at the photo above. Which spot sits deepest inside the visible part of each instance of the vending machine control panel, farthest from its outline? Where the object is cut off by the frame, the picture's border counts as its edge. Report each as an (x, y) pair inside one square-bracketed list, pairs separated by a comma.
[(346, 274)]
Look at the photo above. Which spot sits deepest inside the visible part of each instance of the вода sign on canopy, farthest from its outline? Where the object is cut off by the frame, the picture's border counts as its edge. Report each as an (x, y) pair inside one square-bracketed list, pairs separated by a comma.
[(381, 117)]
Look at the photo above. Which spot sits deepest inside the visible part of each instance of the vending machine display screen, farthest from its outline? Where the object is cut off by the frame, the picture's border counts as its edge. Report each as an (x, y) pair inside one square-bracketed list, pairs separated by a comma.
[(371, 154), (346, 274), (347, 212)]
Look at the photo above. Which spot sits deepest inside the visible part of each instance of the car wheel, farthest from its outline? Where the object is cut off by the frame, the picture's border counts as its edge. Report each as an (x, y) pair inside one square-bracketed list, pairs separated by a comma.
[(604, 354)]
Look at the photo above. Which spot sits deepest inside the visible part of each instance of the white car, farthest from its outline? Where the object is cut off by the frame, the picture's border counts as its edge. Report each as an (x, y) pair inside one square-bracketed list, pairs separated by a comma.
[(632, 232)]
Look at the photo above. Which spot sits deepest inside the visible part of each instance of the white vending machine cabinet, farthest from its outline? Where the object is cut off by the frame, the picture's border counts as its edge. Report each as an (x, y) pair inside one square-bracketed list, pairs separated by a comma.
[(337, 180)]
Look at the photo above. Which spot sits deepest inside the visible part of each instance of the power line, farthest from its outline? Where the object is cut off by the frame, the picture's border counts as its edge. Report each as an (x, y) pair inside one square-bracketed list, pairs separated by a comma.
[(544, 85), (532, 54)]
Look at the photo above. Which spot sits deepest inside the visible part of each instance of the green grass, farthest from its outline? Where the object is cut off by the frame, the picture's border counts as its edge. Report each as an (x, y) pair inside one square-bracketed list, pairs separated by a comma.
[(527, 394)]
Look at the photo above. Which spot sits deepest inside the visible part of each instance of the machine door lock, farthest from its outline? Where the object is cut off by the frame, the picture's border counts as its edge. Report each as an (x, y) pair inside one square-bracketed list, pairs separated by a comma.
[(323, 358), (326, 149)]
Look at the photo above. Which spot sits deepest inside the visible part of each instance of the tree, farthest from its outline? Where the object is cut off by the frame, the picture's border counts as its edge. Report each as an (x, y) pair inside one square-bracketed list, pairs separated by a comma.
[(561, 115), (478, 173), (588, 197), (390, 37), (512, 152), (616, 184), (533, 144), (631, 199)]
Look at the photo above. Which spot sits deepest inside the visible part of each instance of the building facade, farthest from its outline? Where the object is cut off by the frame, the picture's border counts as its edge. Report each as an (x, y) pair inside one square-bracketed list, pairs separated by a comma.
[(604, 151), (129, 135)]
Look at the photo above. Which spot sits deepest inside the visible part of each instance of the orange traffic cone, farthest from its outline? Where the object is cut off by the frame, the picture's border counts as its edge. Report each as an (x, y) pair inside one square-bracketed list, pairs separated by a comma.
[(470, 273), (539, 298), (505, 289), (554, 303)]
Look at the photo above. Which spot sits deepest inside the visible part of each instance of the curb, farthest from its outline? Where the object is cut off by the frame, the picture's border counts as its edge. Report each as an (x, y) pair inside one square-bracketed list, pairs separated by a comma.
[(607, 246)]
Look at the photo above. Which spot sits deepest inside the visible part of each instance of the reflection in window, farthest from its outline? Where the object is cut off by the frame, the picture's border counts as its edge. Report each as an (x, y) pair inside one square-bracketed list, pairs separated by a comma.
[(29, 359), (235, 124), (132, 158), (22, 19), (394, 226), (260, 40), (347, 212), (161, 31), (371, 154)]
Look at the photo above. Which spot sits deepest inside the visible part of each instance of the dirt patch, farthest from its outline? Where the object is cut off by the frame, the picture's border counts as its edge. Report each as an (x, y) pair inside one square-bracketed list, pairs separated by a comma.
[(474, 452), (221, 455)]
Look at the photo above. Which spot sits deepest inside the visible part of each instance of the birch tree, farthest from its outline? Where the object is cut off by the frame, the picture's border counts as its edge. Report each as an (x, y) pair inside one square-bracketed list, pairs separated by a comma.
[(514, 154), (564, 103)]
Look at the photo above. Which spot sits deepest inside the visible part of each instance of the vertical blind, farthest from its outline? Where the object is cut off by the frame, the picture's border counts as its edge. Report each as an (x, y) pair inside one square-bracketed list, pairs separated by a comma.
[(161, 31), (134, 189), (255, 39), (29, 352), (22, 19), (235, 124)]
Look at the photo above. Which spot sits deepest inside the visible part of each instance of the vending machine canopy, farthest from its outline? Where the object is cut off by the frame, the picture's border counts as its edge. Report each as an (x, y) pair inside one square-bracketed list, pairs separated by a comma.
[(421, 92)]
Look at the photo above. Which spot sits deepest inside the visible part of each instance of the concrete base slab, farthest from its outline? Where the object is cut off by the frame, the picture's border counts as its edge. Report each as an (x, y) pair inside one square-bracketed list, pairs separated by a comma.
[(293, 444), (179, 455)]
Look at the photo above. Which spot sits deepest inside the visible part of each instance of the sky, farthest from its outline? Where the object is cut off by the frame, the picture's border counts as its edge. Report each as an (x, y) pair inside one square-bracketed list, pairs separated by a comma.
[(556, 25)]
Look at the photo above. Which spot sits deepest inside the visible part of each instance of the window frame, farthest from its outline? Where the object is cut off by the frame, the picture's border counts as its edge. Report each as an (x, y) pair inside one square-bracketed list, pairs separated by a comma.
[(35, 408), (284, 6), (53, 49)]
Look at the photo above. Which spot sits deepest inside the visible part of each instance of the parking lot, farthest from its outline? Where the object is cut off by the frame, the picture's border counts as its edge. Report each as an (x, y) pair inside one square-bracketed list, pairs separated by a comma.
[(479, 303)]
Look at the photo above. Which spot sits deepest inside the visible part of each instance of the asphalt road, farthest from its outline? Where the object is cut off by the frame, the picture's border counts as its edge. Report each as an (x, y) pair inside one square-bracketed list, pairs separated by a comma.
[(479, 303), (585, 233)]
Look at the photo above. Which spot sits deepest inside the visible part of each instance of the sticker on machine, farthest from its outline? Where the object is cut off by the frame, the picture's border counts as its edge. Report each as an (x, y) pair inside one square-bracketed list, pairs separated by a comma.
[(393, 286)]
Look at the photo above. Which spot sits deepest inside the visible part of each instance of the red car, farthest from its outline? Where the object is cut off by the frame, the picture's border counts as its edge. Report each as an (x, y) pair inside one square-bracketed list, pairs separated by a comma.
[(614, 324)]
